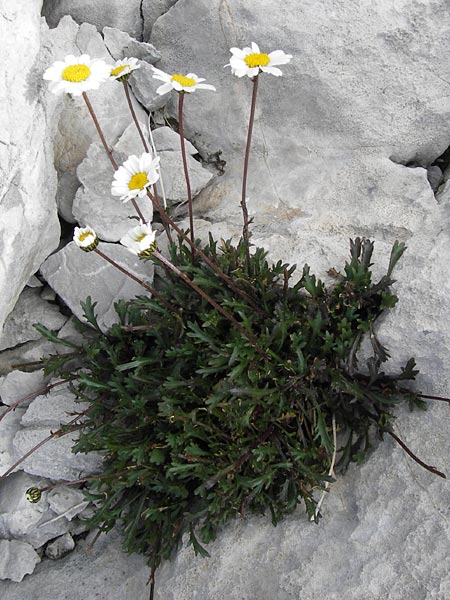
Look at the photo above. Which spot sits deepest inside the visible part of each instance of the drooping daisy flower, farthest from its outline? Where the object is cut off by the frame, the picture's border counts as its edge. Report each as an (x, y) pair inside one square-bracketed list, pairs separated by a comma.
[(180, 83), (134, 177), (85, 238), (124, 68), (76, 74), (250, 61), (140, 240)]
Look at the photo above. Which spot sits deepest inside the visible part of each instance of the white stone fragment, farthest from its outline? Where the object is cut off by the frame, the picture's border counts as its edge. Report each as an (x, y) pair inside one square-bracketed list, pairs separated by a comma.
[(55, 458), (67, 501), (166, 138), (30, 309), (121, 45), (18, 384), (57, 407), (9, 426), (17, 559), (60, 547)]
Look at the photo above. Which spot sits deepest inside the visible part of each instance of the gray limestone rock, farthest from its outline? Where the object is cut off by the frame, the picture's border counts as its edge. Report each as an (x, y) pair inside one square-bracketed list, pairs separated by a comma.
[(67, 501), (114, 13), (17, 559), (17, 384), (96, 278), (94, 205), (9, 426), (144, 88), (55, 458), (29, 227), (60, 547), (151, 11), (30, 309), (435, 177), (57, 407), (172, 174), (167, 139), (121, 45), (361, 77)]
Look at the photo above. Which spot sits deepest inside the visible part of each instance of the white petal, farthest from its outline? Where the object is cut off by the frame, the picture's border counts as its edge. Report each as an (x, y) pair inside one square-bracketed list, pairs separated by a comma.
[(163, 89), (272, 70), (255, 48), (237, 52), (278, 57), (206, 86)]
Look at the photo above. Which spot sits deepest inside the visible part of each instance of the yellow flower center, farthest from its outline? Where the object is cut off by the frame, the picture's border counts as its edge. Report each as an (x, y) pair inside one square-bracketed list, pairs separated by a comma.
[(140, 237), (257, 60), (76, 73), (183, 80), (138, 181), (117, 70), (84, 236)]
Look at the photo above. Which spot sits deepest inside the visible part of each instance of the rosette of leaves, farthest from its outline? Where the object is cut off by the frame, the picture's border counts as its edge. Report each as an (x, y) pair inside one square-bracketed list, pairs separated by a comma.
[(197, 426)]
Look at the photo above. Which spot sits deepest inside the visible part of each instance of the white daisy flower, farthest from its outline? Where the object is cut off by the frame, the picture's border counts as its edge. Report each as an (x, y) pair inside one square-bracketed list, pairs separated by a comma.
[(85, 238), (140, 240), (250, 61), (124, 68), (180, 83), (134, 177), (76, 74)]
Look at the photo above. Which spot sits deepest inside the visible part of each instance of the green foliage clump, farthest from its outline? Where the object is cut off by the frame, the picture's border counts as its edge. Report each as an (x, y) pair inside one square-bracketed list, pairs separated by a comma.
[(198, 425)]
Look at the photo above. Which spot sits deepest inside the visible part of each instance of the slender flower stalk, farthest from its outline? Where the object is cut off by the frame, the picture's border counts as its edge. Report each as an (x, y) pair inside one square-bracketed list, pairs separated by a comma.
[(186, 172), (107, 148), (39, 392), (133, 114), (251, 338), (147, 287), (245, 232), (58, 433)]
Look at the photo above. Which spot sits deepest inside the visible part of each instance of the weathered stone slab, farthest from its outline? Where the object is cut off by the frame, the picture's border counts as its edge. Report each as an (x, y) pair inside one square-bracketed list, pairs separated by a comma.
[(18, 384), (17, 559), (95, 278), (121, 45), (114, 13)]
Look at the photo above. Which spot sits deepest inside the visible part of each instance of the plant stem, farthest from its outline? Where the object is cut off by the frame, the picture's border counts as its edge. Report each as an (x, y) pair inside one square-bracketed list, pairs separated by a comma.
[(186, 172), (245, 233), (213, 303), (133, 114), (153, 567), (165, 217), (39, 392), (108, 149), (414, 457), (57, 433), (137, 280)]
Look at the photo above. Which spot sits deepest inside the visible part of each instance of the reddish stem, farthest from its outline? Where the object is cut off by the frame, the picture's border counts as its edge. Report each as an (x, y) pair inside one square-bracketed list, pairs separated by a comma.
[(186, 172), (133, 114), (245, 233), (414, 457)]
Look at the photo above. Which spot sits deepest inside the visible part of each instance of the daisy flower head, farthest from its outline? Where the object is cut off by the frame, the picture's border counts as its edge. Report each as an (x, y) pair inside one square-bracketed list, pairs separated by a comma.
[(140, 240), (180, 83), (122, 69), (76, 74), (134, 177), (85, 238), (251, 61)]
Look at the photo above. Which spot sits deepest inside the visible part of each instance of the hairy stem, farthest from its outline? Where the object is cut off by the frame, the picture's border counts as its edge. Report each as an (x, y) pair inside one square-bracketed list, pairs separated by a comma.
[(108, 149), (186, 172), (245, 232)]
